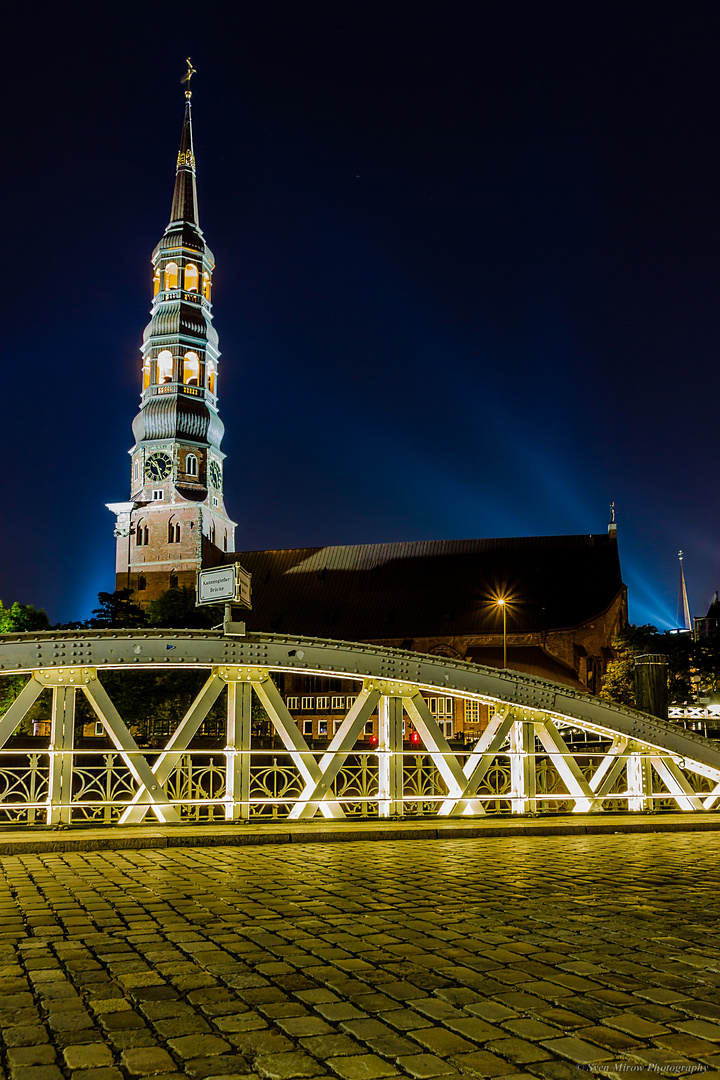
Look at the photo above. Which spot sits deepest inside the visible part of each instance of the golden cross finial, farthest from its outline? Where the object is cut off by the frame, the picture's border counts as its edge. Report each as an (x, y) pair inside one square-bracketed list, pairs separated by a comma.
[(188, 76)]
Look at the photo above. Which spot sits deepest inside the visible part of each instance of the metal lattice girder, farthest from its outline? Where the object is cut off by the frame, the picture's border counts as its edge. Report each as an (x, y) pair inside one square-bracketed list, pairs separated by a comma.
[(333, 759), (178, 744), (113, 723)]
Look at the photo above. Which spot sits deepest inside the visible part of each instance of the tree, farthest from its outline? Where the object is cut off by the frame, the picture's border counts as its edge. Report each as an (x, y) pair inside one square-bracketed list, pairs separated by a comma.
[(619, 681), (22, 618), (176, 608), (116, 610), (18, 619)]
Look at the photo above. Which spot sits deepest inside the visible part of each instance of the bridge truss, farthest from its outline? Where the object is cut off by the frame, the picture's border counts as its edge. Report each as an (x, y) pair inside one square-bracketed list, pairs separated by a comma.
[(546, 747)]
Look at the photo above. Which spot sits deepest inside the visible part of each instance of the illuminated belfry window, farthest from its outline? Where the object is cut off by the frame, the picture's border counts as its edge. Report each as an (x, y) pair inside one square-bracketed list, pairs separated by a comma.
[(191, 278), (191, 369), (173, 532), (211, 376), (171, 276), (191, 465), (156, 282), (146, 374), (164, 366), (206, 286)]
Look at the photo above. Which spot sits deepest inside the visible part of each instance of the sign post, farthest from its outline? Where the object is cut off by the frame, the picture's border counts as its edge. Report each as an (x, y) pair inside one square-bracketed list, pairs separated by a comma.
[(229, 585)]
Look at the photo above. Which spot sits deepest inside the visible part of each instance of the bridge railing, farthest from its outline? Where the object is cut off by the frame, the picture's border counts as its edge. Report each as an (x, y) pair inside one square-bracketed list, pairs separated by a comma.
[(98, 788)]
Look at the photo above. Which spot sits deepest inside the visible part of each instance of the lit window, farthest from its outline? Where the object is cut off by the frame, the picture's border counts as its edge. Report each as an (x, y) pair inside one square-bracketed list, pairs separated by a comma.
[(146, 374), (307, 727), (191, 369), (191, 465), (292, 703), (206, 286), (171, 276), (322, 727), (472, 712), (142, 584), (156, 282), (211, 376), (307, 703), (191, 278), (322, 703), (164, 367), (99, 729), (158, 495), (338, 703)]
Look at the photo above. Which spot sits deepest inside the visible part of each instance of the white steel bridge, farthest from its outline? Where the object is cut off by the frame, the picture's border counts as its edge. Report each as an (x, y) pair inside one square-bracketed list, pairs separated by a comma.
[(528, 760)]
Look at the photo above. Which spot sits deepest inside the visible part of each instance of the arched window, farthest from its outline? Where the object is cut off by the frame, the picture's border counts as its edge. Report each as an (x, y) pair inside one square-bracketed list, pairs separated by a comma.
[(146, 535), (212, 533), (173, 532), (156, 282), (211, 376), (142, 584), (206, 286), (191, 369), (171, 276), (165, 366), (146, 374), (225, 541), (136, 470), (141, 536), (173, 581), (191, 464), (191, 277)]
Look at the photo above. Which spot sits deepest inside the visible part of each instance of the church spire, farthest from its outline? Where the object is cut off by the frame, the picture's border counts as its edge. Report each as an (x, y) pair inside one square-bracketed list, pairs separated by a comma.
[(184, 204)]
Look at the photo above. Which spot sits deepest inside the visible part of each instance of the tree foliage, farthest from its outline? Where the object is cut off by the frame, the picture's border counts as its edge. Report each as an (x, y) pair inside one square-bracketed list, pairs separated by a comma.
[(693, 666), (116, 610), (175, 609)]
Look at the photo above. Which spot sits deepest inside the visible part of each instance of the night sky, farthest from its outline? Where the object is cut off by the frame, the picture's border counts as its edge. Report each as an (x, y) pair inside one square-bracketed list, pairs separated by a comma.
[(468, 268)]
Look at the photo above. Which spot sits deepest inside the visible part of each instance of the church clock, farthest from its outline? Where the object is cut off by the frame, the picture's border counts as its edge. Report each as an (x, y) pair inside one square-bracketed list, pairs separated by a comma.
[(158, 467), (215, 475)]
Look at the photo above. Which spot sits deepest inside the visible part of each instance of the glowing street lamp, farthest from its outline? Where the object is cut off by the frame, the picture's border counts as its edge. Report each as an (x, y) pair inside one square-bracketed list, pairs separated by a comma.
[(502, 604)]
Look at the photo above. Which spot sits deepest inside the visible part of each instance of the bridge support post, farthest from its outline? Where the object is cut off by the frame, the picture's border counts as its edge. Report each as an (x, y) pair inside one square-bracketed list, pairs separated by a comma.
[(62, 741), (390, 760), (522, 767), (237, 751), (639, 777)]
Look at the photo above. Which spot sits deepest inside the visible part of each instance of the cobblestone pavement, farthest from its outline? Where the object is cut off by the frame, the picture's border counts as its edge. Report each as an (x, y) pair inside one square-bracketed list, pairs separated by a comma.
[(542, 956)]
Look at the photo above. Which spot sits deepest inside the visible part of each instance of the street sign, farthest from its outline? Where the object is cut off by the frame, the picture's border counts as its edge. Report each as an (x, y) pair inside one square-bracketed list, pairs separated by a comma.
[(225, 585)]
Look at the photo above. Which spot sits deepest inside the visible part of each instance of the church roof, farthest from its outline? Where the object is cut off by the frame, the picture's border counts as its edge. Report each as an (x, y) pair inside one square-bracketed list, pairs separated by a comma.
[(437, 588)]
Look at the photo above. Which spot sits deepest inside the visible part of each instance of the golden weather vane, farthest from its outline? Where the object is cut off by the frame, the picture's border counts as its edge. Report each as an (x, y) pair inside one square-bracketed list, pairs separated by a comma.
[(188, 76)]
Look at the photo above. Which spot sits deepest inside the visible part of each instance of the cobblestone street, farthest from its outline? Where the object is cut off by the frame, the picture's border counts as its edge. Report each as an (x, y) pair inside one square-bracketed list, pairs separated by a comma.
[(543, 956)]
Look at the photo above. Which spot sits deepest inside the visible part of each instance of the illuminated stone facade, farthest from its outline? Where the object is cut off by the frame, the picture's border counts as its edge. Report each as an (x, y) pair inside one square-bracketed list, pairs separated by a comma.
[(175, 521)]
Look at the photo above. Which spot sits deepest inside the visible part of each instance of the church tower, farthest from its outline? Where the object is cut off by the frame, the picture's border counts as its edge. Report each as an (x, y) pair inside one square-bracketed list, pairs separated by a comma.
[(175, 522)]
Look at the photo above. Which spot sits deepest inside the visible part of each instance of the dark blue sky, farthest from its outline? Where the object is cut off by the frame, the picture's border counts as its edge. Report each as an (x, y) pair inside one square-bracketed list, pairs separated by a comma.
[(468, 266)]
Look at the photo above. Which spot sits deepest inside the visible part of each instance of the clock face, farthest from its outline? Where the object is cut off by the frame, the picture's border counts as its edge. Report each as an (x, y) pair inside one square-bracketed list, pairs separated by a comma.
[(215, 474), (158, 467)]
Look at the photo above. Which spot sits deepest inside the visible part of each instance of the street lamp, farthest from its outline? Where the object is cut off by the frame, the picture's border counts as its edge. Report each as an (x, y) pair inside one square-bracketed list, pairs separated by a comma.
[(501, 604)]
